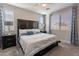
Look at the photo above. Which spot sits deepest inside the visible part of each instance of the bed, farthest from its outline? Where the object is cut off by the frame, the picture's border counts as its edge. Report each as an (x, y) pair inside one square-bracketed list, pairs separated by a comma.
[(37, 43)]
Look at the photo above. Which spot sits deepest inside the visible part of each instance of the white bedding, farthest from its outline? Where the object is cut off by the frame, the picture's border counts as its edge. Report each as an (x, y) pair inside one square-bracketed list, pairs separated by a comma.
[(32, 44)]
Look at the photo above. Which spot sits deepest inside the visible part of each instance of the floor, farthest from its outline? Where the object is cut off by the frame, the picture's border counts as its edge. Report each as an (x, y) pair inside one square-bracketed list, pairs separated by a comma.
[(12, 51), (64, 49)]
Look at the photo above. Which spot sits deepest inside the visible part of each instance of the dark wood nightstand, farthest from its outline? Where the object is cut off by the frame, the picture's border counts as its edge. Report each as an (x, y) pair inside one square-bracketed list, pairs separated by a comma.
[(43, 31), (8, 41)]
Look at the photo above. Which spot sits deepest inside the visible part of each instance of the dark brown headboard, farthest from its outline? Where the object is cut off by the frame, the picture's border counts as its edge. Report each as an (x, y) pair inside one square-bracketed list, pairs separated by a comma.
[(26, 24)]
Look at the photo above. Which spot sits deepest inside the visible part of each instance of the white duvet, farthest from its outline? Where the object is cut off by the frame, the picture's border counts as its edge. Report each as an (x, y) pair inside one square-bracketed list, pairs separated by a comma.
[(32, 44)]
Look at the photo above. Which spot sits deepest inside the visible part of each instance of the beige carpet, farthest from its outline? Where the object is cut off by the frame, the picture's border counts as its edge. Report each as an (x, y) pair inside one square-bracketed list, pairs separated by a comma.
[(12, 51), (63, 49)]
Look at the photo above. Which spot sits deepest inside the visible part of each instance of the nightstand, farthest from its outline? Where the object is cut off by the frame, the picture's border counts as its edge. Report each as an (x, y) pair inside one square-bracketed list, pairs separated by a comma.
[(8, 41), (43, 31)]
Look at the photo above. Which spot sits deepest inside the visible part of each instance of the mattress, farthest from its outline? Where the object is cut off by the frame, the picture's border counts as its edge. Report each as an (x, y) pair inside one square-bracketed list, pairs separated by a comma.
[(32, 44)]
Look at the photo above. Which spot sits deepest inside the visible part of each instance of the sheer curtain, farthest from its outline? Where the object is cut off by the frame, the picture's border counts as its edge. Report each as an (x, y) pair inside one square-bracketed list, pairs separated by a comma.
[(60, 24), (42, 22)]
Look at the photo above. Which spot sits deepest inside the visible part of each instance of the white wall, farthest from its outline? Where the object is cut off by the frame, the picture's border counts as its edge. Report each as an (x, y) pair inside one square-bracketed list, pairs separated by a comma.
[(21, 14), (47, 23)]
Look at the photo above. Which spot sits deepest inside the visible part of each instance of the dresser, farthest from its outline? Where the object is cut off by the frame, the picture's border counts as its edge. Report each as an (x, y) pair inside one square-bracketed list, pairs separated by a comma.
[(8, 41)]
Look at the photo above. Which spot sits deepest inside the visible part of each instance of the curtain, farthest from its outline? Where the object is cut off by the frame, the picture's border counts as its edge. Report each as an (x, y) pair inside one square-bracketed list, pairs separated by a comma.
[(42, 21), (74, 28), (0, 26)]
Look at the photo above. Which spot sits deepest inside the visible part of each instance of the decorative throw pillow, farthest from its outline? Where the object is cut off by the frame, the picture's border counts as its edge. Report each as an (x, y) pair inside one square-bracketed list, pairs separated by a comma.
[(28, 33)]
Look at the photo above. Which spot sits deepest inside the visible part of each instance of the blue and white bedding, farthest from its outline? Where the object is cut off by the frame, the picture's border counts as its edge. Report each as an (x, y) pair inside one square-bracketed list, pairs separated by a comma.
[(32, 44)]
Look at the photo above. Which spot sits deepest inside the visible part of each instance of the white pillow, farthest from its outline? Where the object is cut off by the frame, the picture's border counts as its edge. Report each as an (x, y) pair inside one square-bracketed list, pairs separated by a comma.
[(36, 31), (21, 31)]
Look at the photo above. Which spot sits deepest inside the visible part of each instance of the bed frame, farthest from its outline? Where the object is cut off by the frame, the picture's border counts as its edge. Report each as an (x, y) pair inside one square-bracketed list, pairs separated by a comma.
[(22, 24), (47, 49)]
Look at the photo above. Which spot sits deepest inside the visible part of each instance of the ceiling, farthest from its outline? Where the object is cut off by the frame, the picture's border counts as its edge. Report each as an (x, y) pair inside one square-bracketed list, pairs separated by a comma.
[(37, 7)]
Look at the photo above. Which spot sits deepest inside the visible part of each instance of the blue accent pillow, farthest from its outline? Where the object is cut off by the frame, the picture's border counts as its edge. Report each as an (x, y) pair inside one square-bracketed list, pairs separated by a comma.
[(28, 33)]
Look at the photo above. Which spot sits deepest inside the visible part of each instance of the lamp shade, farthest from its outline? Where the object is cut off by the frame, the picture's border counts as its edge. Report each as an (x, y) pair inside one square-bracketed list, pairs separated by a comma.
[(8, 23)]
